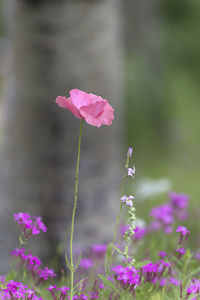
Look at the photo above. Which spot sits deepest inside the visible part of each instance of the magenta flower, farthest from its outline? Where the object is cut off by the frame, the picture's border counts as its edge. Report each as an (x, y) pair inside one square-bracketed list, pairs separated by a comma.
[(139, 233), (163, 213), (163, 218), (127, 277), (93, 109), (29, 226), (81, 297), (123, 228), (169, 281), (86, 263), (197, 256), (99, 250), (184, 233), (162, 254), (183, 230), (24, 219), (19, 253), (194, 287), (46, 273), (64, 290), (180, 205), (181, 251), (16, 290), (38, 225), (179, 200)]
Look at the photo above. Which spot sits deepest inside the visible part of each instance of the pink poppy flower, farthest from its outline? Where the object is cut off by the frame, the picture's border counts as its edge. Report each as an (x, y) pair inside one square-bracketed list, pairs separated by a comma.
[(93, 109)]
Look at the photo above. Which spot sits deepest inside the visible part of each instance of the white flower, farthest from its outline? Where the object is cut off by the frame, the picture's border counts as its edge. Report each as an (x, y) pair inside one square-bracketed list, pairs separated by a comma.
[(131, 172)]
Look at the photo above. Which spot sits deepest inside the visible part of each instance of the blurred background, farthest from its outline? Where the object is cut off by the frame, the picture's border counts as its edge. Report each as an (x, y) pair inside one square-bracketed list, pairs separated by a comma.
[(146, 59)]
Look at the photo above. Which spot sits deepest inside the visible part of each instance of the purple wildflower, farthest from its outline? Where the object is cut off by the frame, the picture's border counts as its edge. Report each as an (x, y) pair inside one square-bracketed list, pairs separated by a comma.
[(197, 256), (129, 153), (46, 273), (81, 297), (131, 172), (127, 277), (123, 228), (194, 287), (127, 200), (86, 263), (181, 252), (38, 225), (180, 205), (183, 230), (139, 233), (29, 226), (153, 272), (184, 233), (16, 290), (169, 281), (99, 250), (163, 216), (162, 254)]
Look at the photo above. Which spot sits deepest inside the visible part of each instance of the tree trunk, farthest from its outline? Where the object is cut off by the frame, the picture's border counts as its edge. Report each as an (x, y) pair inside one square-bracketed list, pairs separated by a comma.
[(56, 46)]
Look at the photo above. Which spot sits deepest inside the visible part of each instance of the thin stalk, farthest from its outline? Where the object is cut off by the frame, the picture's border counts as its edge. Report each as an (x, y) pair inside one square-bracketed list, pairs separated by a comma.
[(72, 269), (107, 264), (119, 214)]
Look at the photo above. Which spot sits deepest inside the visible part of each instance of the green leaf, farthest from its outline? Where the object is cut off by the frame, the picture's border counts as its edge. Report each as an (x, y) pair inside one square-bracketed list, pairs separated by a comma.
[(78, 263), (78, 284), (108, 283), (21, 240), (67, 262), (197, 270), (116, 249), (10, 276)]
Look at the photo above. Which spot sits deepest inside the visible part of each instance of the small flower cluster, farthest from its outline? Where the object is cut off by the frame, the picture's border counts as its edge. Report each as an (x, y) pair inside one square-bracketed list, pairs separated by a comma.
[(166, 214), (128, 201), (94, 256), (16, 290), (130, 278), (153, 272), (194, 288), (32, 263), (63, 291), (127, 277), (131, 172), (30, 225), (169, 280)]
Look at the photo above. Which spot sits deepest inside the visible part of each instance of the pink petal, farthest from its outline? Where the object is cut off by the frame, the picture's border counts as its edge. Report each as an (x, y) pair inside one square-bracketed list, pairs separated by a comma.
[(67, 103), (94, 109), (98, 113), (107, 115), (80, 98)]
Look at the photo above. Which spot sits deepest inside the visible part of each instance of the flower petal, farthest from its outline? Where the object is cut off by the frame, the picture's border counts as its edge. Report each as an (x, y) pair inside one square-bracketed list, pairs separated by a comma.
[(67, 103), (107, 115), (80, 98)]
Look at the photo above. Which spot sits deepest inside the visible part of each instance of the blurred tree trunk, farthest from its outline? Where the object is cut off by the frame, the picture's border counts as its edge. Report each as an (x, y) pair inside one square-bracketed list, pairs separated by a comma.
[(55, 46)]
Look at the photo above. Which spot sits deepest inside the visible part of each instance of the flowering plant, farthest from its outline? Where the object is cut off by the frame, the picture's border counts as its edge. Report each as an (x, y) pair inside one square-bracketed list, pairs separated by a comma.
[(125, 269), (93, 109)]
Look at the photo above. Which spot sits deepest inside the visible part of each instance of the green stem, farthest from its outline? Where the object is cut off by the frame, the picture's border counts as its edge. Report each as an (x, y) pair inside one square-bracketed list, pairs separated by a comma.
[(73, 214), (119, 214), (107, 264)]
